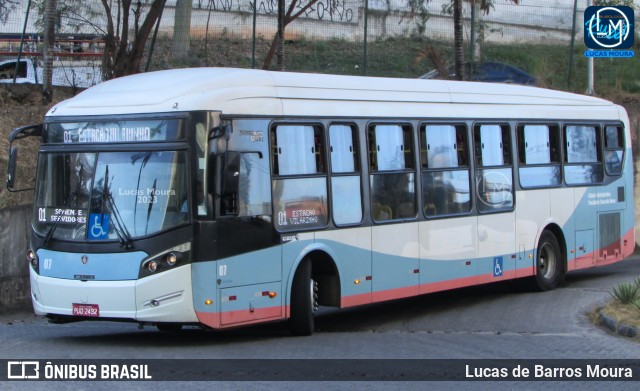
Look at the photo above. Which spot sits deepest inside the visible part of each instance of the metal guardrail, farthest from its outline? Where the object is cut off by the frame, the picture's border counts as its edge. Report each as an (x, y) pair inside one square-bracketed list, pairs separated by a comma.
[(63, 47)]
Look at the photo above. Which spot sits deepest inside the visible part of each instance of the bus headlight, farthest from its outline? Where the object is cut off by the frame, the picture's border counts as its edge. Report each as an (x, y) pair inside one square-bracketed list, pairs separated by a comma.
[(167, 260), (173, 258), (32, 258)]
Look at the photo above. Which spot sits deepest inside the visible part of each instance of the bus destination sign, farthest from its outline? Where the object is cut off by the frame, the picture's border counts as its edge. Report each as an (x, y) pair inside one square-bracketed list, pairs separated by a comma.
[(108, 135), (108, 132), (62, 215)]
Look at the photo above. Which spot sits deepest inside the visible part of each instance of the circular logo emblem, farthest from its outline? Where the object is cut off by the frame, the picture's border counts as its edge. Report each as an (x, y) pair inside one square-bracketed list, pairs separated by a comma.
[(84, 259), (495, 189), (609, 27)]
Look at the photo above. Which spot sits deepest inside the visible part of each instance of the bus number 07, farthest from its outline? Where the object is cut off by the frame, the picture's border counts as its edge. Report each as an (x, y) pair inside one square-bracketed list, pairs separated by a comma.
[(222, 270), (47, 263)]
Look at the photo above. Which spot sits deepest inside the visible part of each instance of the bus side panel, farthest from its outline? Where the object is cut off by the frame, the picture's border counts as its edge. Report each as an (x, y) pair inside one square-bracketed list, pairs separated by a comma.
[(629, 240), (629, 218), (496, 247), (532, 212), (352, 249), (293, 252), (448, 250), (237, 289), (584, 218), (613, 225), (603, 226), (206, 300), (395, 261), (251, 303), (564, 212)]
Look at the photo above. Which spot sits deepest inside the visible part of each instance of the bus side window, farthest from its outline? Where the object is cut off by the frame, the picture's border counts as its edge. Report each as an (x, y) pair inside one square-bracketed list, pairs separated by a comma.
[(346, 192), (392, 177), (300, 180), (445, 172), (583, 160), (614, 149), (494, 174), (254, 192), (295, 150), (538, 151)]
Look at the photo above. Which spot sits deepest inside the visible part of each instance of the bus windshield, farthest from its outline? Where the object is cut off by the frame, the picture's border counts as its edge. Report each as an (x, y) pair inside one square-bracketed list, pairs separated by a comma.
[(86, 196)]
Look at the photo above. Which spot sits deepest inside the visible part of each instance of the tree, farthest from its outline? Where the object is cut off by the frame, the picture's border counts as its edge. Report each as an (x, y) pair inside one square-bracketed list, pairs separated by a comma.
[(128, 26), (123, 51), (458, 39), (47, 55), (181, 42), (456, 9), (277, 45), (6, 7)]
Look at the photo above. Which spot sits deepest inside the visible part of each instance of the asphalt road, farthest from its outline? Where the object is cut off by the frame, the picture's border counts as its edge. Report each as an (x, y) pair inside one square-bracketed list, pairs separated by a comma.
[(474, 324)]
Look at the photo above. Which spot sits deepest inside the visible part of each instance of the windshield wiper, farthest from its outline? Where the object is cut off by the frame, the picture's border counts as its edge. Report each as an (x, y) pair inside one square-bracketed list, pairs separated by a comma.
[(119, 227), (151, 199), (53, 228), (145, 159)]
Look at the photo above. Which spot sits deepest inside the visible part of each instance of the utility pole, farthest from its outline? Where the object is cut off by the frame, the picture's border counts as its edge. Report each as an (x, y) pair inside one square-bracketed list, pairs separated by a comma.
[(47, 55), (590, 71)]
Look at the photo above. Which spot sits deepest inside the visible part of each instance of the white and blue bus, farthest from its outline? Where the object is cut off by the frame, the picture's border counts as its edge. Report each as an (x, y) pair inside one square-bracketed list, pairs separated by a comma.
[(227, 197)]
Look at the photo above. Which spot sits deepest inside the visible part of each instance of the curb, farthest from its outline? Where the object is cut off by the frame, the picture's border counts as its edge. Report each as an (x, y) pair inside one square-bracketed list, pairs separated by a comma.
[(616, 327)]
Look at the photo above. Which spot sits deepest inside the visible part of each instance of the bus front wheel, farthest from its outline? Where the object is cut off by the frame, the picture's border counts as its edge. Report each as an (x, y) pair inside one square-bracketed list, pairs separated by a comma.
[(303, 300), (549, 263)]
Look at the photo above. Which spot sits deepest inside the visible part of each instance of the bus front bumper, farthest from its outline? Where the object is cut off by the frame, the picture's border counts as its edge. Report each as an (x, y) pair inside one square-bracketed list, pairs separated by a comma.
[(165, 297)]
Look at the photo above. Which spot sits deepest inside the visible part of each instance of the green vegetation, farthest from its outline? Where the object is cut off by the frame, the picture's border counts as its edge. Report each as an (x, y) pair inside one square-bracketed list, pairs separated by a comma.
[(615, 79), (401, 57), (625, 308), (625, 293)]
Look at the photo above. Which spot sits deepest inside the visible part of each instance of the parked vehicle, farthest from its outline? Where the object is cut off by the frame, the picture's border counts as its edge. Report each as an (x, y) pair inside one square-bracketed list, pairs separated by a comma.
[(488, 71), (81, 74)]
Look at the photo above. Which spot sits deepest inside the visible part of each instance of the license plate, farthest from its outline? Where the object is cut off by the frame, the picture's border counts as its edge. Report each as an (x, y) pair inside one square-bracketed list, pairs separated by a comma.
[(92, 310)]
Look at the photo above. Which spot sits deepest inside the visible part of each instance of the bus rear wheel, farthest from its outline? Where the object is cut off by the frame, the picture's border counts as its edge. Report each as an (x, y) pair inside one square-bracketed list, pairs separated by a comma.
[(303, 300), (549, 263)]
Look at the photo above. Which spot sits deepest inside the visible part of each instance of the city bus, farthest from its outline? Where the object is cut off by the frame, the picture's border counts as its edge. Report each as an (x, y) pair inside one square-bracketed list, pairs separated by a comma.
[(225, 197)]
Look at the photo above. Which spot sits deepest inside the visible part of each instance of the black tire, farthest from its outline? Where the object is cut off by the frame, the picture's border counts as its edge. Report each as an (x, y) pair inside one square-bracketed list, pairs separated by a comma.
[(303, 299), (550, 263)]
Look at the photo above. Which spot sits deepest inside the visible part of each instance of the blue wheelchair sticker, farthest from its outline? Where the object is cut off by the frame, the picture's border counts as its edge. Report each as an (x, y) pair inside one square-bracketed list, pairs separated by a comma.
[(98, 226), (497, 267)]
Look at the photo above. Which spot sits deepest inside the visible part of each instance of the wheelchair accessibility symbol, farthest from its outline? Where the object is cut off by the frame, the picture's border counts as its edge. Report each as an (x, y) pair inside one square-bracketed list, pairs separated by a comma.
[(98, 226), (497, 266)]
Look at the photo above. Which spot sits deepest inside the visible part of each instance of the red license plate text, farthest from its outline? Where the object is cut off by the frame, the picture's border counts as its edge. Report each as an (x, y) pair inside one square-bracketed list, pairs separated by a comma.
[(92, 310)]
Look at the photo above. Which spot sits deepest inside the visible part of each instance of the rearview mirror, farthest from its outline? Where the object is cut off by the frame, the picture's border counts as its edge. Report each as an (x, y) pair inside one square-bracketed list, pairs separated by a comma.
[(13, 164), (231, 173), (11, 168)]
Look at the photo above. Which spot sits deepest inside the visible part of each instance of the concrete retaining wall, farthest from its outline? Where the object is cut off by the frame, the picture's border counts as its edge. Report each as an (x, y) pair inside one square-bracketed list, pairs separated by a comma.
[(542, 21), (14, 269)]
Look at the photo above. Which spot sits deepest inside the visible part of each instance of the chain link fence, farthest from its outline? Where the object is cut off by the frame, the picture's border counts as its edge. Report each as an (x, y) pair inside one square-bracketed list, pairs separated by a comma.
[(394, 38)]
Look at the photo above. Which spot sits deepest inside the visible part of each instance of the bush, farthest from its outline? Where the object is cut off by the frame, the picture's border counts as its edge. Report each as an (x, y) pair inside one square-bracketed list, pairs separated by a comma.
[(626, 293)]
